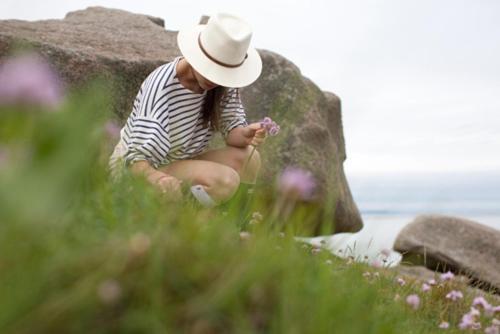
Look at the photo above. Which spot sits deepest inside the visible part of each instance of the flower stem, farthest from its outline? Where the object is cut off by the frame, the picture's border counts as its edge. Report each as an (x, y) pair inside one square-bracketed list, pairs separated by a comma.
[(248, 160)]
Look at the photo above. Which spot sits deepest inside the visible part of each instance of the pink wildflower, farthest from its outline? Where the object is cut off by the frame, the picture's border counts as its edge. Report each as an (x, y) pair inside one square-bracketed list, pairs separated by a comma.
[(492, 330), (469, 320), (454, 295), (490, 311), (413, 301), (432, 281), (112, 130), (29, 80), (426, 287), (271, 127), (296, 182), (444, 325), (474, 311), (448, 276), (401, 281), (376, 263)]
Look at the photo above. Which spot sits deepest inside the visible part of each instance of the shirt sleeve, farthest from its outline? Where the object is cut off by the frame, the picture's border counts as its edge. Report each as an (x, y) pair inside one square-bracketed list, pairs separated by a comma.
[(148, 140), (232, 112)]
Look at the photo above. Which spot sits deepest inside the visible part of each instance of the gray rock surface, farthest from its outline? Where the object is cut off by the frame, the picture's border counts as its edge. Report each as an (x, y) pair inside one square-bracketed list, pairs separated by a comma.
[(124, 48), (461, 245)]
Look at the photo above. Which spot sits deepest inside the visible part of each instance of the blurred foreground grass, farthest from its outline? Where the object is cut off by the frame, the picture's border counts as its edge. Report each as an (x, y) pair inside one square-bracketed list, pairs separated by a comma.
[(80, 254)]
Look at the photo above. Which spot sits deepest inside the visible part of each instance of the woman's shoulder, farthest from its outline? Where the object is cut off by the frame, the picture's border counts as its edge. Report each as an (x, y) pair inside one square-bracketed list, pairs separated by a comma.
[(162, 74)]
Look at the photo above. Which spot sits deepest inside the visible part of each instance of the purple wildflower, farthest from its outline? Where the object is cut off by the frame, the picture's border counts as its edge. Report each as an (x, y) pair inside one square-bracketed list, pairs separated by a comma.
[(297, 182), (267, 121), (112, 130), (271, 127), (413, 301), (401, 281), (29, 80), (432, 281), (480, 301), (448, 276), (492, 330), (474, 311), (426, 287), (454, 295), (444, 325), (469, 320)]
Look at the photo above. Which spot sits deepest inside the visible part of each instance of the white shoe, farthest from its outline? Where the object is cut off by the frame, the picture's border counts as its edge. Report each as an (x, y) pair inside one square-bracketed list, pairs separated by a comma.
[(202, 196)]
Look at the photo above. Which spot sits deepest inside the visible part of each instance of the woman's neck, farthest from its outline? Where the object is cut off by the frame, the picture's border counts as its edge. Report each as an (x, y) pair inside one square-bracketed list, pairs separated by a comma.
[(186, 76)]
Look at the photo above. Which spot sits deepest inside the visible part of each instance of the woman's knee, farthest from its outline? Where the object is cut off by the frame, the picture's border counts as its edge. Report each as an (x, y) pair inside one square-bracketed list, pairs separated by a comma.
[(224, 184), (243, 155)]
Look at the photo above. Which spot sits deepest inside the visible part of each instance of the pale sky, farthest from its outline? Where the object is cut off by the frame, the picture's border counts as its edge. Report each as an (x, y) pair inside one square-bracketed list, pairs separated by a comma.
[(419, 80)]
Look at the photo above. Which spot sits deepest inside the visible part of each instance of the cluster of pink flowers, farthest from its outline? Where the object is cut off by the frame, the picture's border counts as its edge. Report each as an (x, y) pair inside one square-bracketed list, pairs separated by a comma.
[(448, 276), (413, 301), (454, 295), (401, 281), (494, 328), (376, 263), (489, 310), (297, 182), (29, 80), (271, 127), (469, 320)]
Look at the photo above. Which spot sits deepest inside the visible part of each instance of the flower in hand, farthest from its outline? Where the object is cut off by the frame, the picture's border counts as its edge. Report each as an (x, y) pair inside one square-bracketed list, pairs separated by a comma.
[(271, 127)]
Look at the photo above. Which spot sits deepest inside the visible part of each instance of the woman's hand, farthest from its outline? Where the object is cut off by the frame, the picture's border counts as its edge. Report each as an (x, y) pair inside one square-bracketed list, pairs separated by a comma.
[(167, 184), (254, 134)]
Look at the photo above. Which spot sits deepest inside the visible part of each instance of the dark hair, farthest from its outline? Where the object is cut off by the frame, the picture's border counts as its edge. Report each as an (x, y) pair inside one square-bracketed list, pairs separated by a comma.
[(211, 107)]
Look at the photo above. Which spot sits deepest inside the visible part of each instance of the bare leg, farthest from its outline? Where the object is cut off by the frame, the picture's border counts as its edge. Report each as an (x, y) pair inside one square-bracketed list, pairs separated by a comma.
[(235, 158), (218, 180)]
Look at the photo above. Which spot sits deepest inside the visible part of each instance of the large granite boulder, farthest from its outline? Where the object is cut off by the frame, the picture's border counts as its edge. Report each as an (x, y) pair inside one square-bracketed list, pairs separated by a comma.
[(124, 48), (460, 245)]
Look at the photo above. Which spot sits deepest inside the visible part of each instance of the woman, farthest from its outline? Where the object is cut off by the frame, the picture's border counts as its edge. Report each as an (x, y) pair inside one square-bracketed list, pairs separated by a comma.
[(182, 103)]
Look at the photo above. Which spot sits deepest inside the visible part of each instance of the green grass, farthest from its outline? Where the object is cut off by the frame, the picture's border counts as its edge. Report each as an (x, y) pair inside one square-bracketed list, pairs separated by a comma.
[(79, 254)]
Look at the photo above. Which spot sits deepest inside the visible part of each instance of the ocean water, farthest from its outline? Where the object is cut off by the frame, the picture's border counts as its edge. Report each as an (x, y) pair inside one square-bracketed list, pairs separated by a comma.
[(388, 202)]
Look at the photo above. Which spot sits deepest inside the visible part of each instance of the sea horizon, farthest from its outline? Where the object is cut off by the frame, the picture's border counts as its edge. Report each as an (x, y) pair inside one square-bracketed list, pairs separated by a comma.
[(389, 201)]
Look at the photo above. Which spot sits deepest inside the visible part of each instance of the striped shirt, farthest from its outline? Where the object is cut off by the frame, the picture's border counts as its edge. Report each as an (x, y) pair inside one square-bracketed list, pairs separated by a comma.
[(166, 121)]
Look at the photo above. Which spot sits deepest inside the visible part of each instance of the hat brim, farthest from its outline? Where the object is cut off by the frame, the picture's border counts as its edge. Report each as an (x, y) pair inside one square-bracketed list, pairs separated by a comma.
[(235, 77)]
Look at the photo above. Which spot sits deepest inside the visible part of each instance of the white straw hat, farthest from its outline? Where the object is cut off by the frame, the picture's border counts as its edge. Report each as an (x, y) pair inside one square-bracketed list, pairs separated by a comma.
[(221, 52)]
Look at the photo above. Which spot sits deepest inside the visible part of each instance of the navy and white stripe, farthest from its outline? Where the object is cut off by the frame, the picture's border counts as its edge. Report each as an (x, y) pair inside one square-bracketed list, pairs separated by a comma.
[(166, 121)]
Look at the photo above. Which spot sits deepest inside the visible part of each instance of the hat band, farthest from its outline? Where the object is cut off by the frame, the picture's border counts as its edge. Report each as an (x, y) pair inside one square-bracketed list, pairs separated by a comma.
[(215, 60)]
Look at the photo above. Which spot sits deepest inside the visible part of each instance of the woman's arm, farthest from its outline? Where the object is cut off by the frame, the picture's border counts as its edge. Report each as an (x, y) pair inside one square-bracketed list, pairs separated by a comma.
[(236, 137), (164, 182), (243, 136)]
